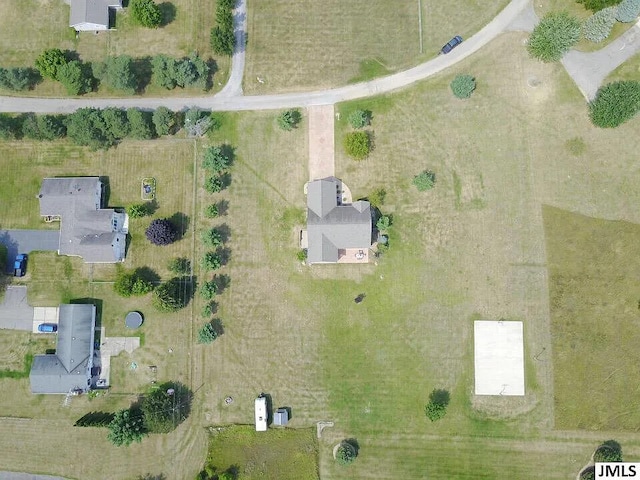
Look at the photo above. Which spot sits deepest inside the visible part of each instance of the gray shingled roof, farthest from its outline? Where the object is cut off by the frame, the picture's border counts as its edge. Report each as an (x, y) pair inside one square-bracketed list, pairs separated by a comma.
[(332, 227), (70, 367), (86, 230), (95, 12)]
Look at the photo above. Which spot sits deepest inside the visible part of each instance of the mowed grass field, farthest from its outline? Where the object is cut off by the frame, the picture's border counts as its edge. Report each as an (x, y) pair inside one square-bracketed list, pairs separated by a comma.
[(595, 310), (305, 45), (28, 27)]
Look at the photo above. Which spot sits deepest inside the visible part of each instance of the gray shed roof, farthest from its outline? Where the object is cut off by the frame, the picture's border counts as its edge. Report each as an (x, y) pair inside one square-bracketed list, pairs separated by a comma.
[(91, 12), (331, 226), (70, 367), (86, 230)]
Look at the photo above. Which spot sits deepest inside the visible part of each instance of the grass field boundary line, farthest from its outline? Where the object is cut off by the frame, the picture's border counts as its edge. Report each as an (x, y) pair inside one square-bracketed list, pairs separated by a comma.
[(194, 201), (420, 23)]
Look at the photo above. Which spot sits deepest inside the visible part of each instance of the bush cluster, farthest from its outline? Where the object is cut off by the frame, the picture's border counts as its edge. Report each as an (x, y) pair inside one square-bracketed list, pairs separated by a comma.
[(556, 33), (289, 119), (628, 11), (425, 180), (598, 26), (463, 86), (346, 453), (74, 75), (223, 39), (19, 78), (357, 145), (615, 103), (129, 284), (437, 406), (595, 5), (145, 13), (172, 295), (360, 118)]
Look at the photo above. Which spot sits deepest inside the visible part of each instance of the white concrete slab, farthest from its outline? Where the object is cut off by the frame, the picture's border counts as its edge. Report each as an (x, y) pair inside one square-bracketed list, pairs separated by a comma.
[(44, 315), (499, 358)]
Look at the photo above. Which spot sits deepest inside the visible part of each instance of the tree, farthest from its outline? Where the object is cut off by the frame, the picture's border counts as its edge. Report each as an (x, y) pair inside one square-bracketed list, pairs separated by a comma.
[(207, 333), (289, 119), (628, 11), (86, 127), (588, 473), (140, 126), (191, 71), (18, 78), (179, 266), (116, 122), (49, 61), (376, 198), (211, 261), (216, 159), (211, 211), (164, 120), (609, 451), (425, 180), (8, 126), (595, 5), (360, 118), (357, 145), (208, 289), (212, 238), (463, 86), (196, 123), (383, 223), (556, 33), (163, 70), (161, 232), (74, 77), (145, 13), (598, 26), (166, 407), (437, 406), (43, 127), (346, 453), (171, 295), (209, 309), (138, 210), (118, 74), (615, 103), (125, 428), (214, 184), (129, 284)]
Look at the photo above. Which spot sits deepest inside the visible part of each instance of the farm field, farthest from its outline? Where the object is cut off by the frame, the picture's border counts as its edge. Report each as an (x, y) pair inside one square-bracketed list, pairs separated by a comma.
[(331, 43), (188, 32), (594, 320)]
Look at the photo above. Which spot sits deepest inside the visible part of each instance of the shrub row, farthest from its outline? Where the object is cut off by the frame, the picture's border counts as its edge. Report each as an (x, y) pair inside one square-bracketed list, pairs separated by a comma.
[(223, 39)]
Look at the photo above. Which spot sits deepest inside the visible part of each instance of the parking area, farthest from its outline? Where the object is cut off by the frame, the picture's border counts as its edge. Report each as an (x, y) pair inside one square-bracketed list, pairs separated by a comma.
[(15, 312), (27, 241)]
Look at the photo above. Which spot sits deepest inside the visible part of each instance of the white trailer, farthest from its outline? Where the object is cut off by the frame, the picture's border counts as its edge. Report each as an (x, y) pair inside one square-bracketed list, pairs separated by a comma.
[(261, 414)]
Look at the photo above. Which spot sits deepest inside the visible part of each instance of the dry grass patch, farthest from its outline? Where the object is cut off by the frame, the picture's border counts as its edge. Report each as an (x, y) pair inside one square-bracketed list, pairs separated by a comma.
[(329, 43)]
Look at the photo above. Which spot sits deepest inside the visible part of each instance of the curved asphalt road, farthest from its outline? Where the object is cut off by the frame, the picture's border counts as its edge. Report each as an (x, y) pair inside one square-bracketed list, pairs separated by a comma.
[(287, 100)]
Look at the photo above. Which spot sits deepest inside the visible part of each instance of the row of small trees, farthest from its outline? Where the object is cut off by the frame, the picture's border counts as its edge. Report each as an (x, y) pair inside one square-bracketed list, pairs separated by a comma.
[(223, 39), (358, 144), (101, 129)]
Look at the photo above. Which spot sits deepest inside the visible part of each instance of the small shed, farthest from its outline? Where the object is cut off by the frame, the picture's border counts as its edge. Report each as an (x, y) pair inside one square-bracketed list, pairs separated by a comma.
[(281, 417)]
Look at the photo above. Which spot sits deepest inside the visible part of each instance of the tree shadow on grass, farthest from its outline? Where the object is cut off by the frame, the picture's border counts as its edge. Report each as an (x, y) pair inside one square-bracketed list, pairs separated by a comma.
[(222, 282), (148, 274), (181, 222), (141, 68), (224, 231), (168, 11)]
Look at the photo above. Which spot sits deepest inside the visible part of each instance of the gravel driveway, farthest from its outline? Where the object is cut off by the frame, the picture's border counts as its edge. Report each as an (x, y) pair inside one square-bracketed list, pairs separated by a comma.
[(27, 241)]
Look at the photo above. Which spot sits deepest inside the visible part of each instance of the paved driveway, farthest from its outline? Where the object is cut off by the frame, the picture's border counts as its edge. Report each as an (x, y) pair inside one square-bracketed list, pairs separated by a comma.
[(27, 241), (15, 312), (26, 476)]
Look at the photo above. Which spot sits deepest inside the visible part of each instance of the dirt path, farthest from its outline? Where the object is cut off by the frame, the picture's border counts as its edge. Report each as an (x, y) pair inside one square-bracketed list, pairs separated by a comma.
[(321, 142)]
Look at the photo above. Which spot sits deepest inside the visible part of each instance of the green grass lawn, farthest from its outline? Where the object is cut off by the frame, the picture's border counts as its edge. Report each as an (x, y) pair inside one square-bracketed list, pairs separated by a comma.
[(595, 310), (28, 27), (283, 454), (629, 70), (330, 43)]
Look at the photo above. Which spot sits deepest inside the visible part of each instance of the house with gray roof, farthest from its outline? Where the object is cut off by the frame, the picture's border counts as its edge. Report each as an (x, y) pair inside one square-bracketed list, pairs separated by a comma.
[(336, 231), (69, 369), (92, 15), (98, 235)]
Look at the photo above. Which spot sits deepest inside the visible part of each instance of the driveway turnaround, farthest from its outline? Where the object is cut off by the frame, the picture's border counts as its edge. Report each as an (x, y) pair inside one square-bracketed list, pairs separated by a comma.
[(27, 241), (15, 312)]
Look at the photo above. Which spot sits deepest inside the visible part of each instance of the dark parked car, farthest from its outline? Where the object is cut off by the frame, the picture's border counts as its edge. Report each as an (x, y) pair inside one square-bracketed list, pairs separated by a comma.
[(453, 43), (20, 265), (47, 327)]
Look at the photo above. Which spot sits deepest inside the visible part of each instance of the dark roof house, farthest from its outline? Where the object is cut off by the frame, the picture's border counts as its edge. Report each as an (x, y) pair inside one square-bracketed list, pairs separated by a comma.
[(92, 15), (69, 369), (87, 230), (333, 227)]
